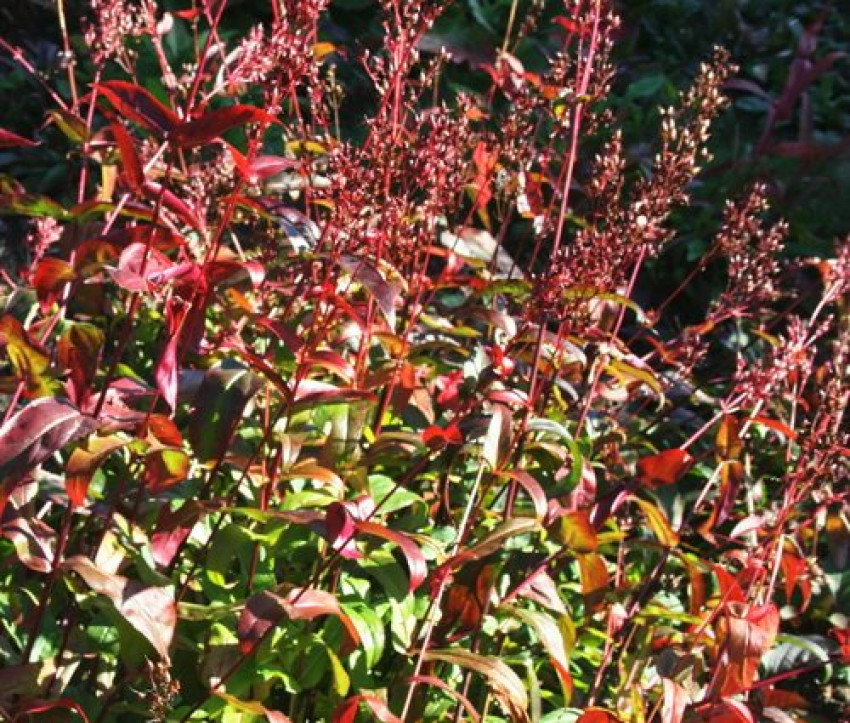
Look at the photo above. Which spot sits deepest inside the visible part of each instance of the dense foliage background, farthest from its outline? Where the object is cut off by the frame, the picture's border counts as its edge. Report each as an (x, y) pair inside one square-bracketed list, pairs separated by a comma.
[(478, 360)]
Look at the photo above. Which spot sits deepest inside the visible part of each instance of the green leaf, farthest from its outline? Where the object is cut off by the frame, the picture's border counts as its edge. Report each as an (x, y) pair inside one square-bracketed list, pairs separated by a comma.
[(371, 630)]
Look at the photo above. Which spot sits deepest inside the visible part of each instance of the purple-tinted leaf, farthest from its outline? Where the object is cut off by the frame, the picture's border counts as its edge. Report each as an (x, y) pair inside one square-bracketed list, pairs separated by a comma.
[(150, 610), (34, 433), (139, 105), (211, 125), (339, 530), (266, 609), (541, 588), (172, 530), (13, 140), (384, 292)]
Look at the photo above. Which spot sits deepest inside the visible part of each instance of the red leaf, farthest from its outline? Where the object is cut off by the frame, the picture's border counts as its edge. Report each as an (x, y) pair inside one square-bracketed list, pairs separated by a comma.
[(745, 633), (436, 436), (571, 26), (260, 168), (417, 567), (597, 715), (12, 140), (164, 430), (795, 569), (665, 468), (33, 434), (150, 610), (177, 206), (137, 265), (346, 712), (211, 125), (133, 169), (166, 373), (340, 529), (49, 278), (843, 638), (139, 105)]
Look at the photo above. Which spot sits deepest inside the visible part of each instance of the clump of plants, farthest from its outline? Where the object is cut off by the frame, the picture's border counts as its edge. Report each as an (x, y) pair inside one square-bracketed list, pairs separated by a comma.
[(329, 395)]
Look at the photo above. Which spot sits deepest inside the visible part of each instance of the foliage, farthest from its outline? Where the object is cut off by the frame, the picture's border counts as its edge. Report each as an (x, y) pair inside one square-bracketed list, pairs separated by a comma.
[(338, 387)]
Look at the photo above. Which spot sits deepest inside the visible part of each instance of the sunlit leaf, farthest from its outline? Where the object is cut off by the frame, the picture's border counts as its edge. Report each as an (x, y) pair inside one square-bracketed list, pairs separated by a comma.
[(550, 636), (658, 522), (664, 468), (165, 468), (745, 633), (34, 433), (266, 609), (346, 712), (576, 532), (594, 578), (505, 685), (675, 700), (84, 462), (150, 610)]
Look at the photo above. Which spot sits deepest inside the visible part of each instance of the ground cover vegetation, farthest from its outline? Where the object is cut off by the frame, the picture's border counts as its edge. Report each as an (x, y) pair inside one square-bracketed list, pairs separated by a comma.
[(424, 360)]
